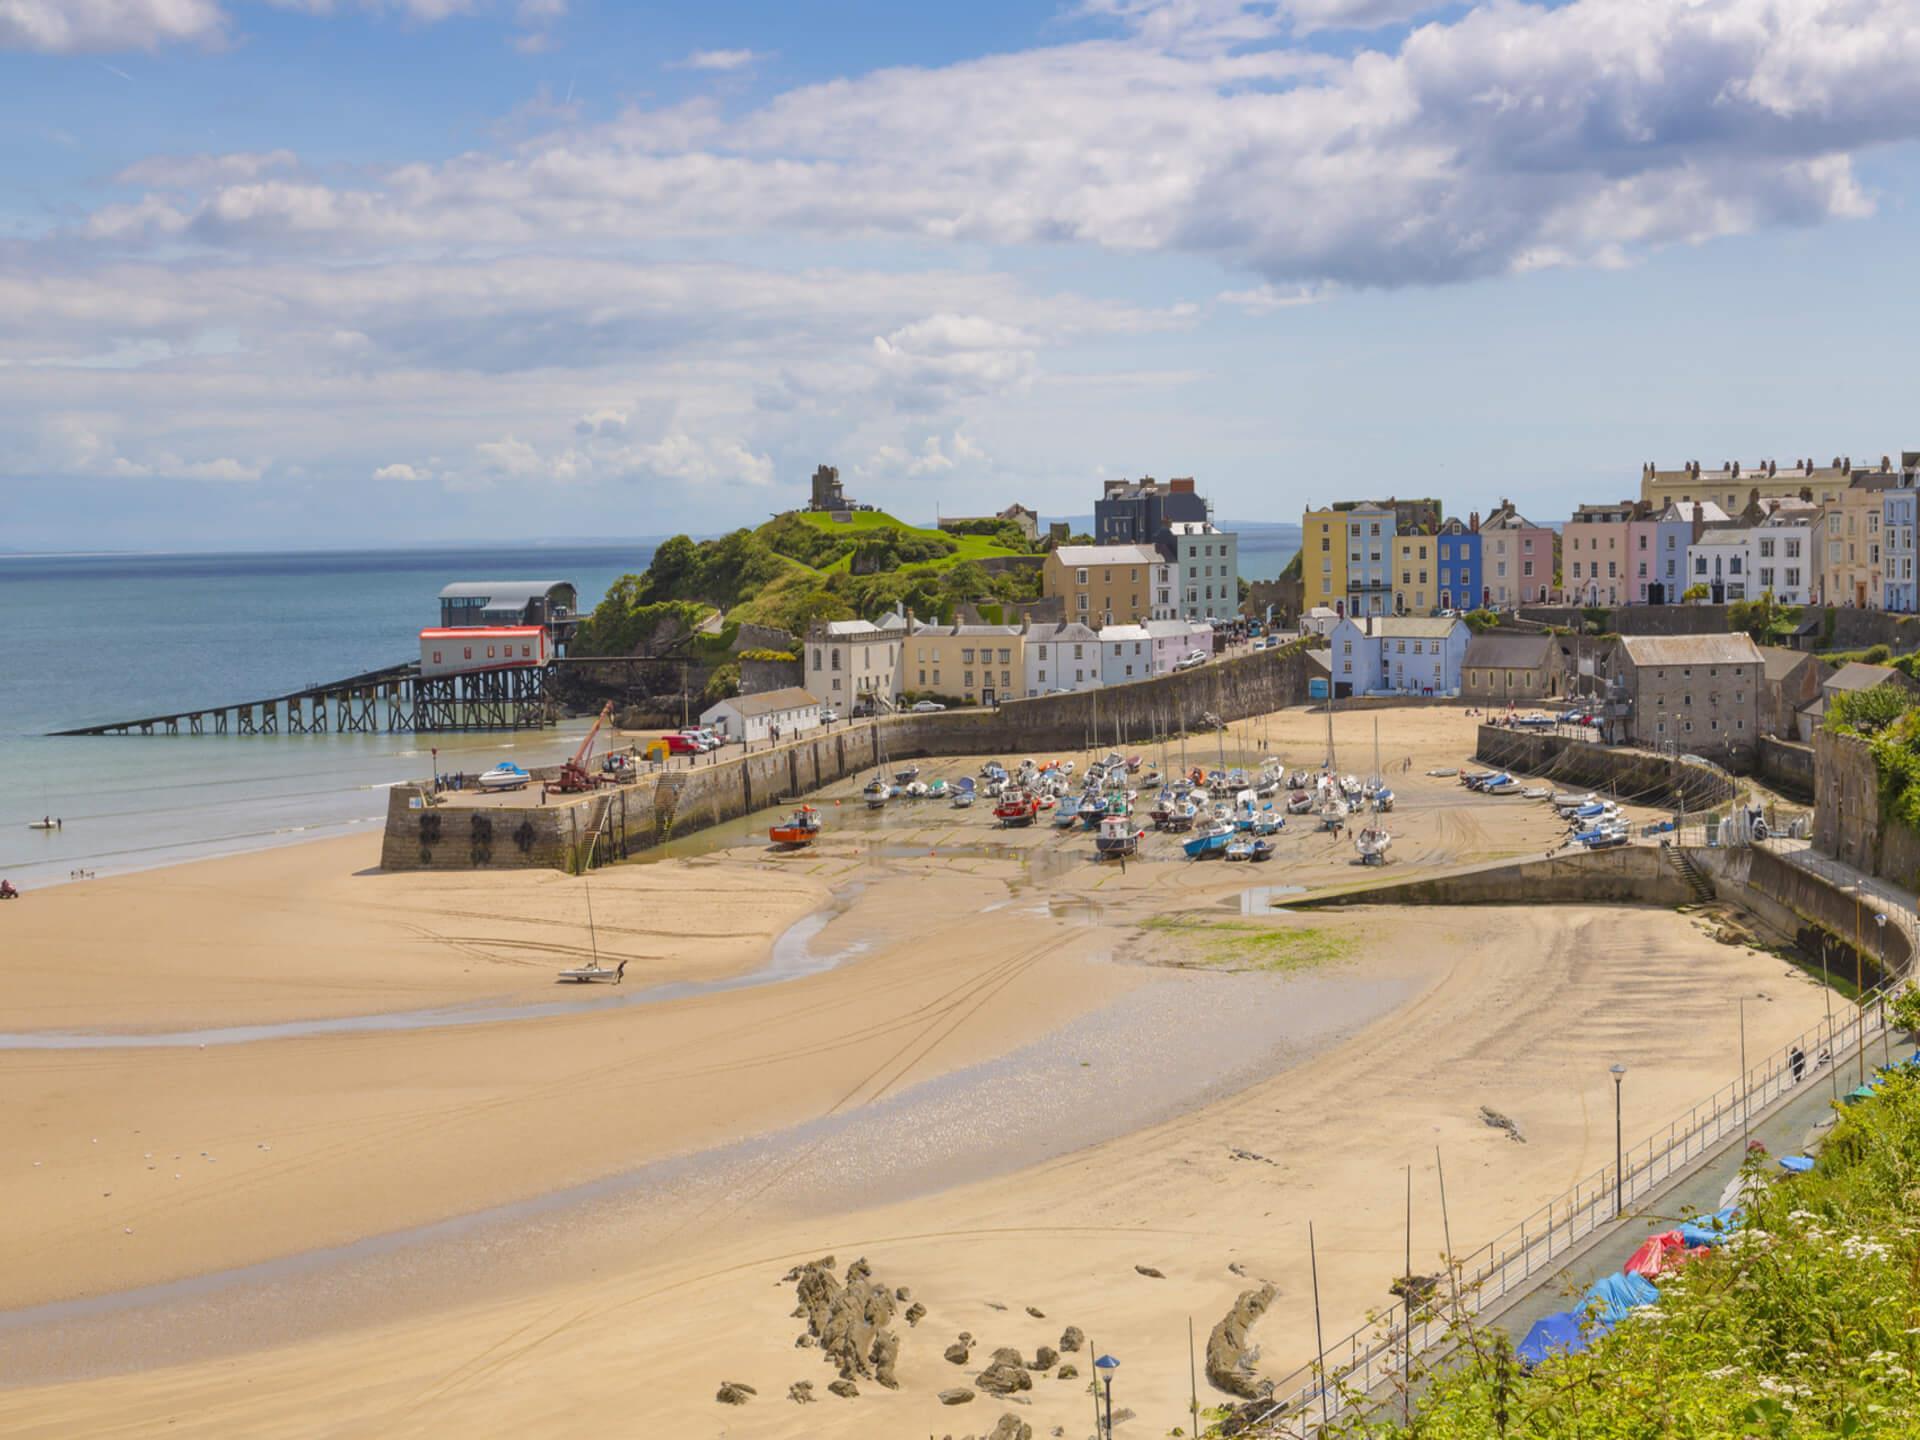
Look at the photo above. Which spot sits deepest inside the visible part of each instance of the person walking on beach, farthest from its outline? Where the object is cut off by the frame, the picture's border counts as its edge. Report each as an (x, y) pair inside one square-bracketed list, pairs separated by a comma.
[(1797, 1062)]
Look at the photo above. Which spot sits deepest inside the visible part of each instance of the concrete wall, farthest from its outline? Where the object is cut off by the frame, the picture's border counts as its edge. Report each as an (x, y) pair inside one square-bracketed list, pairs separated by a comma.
[(1787, 767), (1631, 875), (759, 676), (1574, 764), (1846, 813), (1822, 916), (1640, 619)]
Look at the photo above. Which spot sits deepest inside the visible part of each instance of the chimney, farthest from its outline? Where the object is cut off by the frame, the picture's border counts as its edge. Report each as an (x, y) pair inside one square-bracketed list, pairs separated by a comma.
[(1473, 521), (1886, 463), (1180, 487)]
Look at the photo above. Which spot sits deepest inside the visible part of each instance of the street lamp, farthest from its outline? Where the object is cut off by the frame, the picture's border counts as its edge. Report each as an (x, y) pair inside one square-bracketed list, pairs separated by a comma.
[(1106, 1365), (1880, 961), (1619, 1147)]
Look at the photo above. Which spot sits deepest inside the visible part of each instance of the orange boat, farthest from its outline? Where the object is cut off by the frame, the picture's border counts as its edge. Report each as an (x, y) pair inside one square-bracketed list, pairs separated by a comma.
[(800, 828)]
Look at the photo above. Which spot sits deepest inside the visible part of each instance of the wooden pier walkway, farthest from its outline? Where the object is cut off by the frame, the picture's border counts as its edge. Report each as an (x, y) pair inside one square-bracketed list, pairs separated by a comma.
[(394, 700)]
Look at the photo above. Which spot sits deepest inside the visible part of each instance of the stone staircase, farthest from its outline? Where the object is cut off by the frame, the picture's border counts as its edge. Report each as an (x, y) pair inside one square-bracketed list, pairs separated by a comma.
[(1695, 879)]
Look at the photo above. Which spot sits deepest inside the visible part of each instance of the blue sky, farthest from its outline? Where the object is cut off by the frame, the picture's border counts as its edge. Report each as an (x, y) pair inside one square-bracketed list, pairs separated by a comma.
[(293, 272)]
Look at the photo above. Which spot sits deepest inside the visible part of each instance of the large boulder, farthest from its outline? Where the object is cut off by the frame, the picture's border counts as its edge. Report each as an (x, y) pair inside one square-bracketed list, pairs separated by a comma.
[(1230, 1359), (958, 1353), (1004, 1376), (734, 1392), (884, 1356), (958, 1395), (1045, 1358), (1011, 1427), (1071, 1339)]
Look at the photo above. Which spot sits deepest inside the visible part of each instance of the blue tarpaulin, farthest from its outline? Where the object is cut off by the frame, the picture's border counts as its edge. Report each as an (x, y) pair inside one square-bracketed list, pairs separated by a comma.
[(1710, 1229), (1797, 1164), (1560, 1334), (1612, 1297)]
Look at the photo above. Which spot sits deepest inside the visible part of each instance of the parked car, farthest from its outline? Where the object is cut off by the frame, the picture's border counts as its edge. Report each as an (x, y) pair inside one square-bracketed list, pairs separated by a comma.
[(678, 744), (1192, 660), (829, 715), (927, 707)]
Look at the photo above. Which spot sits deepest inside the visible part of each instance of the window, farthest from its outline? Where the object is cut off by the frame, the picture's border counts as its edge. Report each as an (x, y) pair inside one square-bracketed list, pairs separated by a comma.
[(966, 657), (469, 650), (436, 657), (1080, 577)]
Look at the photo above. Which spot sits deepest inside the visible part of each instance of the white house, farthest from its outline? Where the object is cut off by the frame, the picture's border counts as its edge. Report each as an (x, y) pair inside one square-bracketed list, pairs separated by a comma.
[(1062, 657), (1784, 555), (1126, 653), (1722, 560), (1174, 639), (1399, 654), (1320, 620), (854, 662), (758, 717), (1206, 569)]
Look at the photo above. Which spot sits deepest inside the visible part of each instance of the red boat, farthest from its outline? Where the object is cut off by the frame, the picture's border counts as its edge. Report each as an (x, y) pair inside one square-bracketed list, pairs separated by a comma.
[(800, 828), (1016, 807)]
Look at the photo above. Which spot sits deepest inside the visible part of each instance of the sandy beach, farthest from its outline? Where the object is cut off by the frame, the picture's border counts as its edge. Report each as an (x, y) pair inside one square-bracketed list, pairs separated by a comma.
[(1003, 1074)]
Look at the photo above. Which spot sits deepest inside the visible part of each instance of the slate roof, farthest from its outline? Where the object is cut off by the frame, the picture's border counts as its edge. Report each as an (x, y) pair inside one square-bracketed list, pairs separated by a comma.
[(1691, 649), (1509, 652)]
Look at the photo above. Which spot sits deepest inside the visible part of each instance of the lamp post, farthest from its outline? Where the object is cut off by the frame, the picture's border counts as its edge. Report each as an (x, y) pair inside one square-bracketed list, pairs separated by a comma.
[(1106, 1365), (1880, 960), (1619, 1146), (1859, 987)]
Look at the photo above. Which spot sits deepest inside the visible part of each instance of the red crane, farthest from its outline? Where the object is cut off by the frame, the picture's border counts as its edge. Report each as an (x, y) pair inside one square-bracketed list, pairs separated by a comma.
[(574, 775)]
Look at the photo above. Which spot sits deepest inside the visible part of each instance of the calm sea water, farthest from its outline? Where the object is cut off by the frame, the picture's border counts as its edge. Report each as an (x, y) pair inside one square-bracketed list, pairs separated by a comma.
[(99, 638)]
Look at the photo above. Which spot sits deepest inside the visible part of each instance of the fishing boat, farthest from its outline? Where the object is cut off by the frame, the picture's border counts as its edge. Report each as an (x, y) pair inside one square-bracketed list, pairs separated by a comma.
[(1016, 808), (1268, 823), (908, 775), (1182, 817), (1093, 808), (937, 789), (1262, 850), (1117, 838), (877, 793), (1240, 848), (1212, 838), (963, 793), (1066, 811), (1502, 785), (504, 776), (993, 770), (914, 790), (1299, 802), (1372, 843), (800, 828)]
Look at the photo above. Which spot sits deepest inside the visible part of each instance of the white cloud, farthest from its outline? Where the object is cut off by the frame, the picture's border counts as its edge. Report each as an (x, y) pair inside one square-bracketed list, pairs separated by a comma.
[(70, 26), (401, 474), (186, 172), (1265, 299), (1517, 133), (720, 60)]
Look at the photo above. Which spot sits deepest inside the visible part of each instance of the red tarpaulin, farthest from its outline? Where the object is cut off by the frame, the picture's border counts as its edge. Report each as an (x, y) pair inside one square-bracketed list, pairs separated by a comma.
[(1658, 1254)]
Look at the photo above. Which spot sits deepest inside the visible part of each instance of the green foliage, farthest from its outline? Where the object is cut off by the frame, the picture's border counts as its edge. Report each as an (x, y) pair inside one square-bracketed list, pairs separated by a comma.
[(1005, 533), (792, 536), (1296, 567), (769, 655), (626, 621), (1878, 655), (722, 684), (1886, 718), (1905, 1009), (1246, 590), (1866, 712), (1596, 620), (1766, 620), (1695, 592), (1481, 621), (890, 548), (1801, 1328)]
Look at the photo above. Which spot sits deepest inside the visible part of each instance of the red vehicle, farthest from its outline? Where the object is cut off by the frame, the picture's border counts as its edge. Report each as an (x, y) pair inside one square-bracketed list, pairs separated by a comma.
[(680, 745), (1016, 807)]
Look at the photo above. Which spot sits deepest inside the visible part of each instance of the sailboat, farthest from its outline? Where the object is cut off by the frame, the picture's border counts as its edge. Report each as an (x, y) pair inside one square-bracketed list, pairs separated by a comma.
[(878, 791), (1377, 790), (1372, 843)]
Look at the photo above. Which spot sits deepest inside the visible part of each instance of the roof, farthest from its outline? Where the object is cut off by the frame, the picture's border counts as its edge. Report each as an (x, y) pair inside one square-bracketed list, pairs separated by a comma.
[(986, 630), (503, 593), (1395, 627), (1195, 527), (1079, 556), (767, 702), (1495, 651), (841, 629), (1781, 662), (1176, 627), (1858, 675), (1060, 631), (1690, 649), (475, 632), (1725, 535), (1323, 659), (1118, 634), (1702, 510)]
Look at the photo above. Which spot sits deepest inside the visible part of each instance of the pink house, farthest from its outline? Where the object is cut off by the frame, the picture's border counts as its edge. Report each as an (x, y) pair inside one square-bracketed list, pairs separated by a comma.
[(1516, 559)]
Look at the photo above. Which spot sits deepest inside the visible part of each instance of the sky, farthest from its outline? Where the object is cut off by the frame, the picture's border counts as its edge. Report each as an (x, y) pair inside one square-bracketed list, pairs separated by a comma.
[(288, 273)]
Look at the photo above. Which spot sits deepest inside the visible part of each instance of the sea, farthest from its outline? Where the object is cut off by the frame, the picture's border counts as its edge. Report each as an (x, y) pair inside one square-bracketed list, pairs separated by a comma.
[(90, 639), (97, 638)]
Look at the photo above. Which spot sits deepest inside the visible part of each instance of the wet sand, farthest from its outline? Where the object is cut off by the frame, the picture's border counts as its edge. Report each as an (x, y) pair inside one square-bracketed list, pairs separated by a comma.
[(988, 1093)]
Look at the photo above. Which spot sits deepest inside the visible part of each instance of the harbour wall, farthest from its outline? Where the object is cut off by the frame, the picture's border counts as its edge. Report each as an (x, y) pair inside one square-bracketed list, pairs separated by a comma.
[(1629, 875), (1574, 764), (1847, 821), (570, 832), (1787, 766)]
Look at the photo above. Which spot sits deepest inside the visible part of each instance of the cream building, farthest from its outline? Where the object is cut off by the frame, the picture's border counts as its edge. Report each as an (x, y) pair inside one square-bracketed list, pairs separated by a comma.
[(977, 664), (1102, 585)]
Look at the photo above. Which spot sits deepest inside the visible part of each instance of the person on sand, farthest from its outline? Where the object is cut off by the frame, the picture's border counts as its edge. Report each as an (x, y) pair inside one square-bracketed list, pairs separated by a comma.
[(7, 892)]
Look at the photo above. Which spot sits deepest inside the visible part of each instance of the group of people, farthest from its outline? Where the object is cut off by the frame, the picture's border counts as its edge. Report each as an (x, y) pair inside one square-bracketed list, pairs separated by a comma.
[(7, 892)]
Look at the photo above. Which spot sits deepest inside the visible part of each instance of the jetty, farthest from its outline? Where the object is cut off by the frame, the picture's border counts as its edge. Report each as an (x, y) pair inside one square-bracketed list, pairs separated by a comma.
[(396, 699)]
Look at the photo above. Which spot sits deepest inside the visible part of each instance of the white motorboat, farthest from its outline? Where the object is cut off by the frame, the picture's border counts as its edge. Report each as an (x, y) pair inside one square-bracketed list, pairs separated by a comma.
[(504, 776), (1372, 843)]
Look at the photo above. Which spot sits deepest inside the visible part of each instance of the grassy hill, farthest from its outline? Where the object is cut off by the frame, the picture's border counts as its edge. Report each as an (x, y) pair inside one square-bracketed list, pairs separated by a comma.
[(967, 547)]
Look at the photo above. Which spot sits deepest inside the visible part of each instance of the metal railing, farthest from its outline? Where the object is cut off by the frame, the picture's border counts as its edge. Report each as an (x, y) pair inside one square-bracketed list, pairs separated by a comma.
[(1378, 1352)]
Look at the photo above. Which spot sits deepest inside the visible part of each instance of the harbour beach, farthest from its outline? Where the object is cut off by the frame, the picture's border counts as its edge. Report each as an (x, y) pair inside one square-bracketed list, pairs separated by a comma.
[(1004, 1073)]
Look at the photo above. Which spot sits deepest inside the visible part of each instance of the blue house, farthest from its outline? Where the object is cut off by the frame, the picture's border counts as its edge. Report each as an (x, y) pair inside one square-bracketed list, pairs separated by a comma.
[(1896, 535), (1461, 587)]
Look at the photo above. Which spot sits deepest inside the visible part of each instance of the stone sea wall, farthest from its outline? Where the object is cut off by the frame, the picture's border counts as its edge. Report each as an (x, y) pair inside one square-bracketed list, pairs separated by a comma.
[(1846, 813), (1573, 764)]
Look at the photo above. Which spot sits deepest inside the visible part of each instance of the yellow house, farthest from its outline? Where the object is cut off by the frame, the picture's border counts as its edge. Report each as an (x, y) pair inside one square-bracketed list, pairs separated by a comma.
[(980, 664), (1414, 590), (1323, 560), (1851, 572), (1103, 585), (1732, 484)]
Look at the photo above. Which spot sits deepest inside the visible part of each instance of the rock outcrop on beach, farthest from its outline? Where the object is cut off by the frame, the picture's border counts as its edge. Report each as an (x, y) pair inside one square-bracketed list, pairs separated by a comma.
[(848, 1321), (1011, 1427), (958, 1395), (1230, 1359), (1071, 1339), (734, 1392), (1006, 1375)]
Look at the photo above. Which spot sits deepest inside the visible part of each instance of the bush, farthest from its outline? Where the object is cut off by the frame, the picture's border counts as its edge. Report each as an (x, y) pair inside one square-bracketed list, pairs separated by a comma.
[(1695, 592), (1480, 621), (1877, 655), (722, 684), (1886, 719)]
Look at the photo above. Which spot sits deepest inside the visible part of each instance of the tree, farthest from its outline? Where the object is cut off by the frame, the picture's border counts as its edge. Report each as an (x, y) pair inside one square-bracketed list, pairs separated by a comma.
[(1695, 592)]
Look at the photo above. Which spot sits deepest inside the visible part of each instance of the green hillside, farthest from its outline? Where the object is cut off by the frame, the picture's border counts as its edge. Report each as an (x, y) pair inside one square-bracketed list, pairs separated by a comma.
[(866, 522)]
